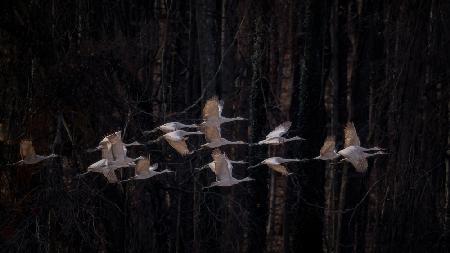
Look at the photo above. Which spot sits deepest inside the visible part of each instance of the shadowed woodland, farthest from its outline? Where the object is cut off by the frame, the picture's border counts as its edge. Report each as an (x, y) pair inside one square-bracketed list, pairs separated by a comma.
[(72, 72)]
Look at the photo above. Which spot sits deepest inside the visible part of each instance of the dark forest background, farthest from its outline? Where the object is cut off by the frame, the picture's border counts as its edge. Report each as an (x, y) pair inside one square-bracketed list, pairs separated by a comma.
[(73, 71)]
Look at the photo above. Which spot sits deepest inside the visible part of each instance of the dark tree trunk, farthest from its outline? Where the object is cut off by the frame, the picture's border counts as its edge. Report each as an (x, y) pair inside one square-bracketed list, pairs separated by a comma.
[(208, 45), (72, 72), (258, 207), (307, 122)]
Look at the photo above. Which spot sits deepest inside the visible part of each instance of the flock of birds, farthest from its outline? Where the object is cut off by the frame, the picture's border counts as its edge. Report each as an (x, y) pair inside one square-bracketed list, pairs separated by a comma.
[(114, 150)]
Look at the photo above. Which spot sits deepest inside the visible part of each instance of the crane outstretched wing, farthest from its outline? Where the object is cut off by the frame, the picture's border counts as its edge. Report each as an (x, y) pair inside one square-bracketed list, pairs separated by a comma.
[(279, 130), (27, 149), (142, 167), (211, 109), (351, 137), (222, 169), (212, 133), (328, 145), (359, 164), (279, 168), (180, 146), (110, 176)]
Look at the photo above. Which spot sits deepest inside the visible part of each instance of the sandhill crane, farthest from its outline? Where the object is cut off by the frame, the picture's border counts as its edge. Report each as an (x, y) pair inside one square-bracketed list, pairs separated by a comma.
[(276, 136), (212, 165), (29, 155), (223, 170), (114, 156), (105, 165), (212, 119), (357, 157), (119, 134), (328, 150), (106, 148), (212, 113), (222, 142), (119, 150), (104, 168), (353, 152), (143, 170), (352, 139), (229, 182), (214, 138), (177, 140), (170, 127), (276, 164)]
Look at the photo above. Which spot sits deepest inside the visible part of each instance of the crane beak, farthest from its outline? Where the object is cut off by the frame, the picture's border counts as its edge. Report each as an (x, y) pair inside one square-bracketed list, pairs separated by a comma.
[(253, 166), (91, 150)]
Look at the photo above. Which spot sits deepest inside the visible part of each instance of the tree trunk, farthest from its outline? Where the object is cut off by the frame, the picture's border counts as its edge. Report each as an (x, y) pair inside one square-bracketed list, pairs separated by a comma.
[(208, 42), (258, 206), (329, 240), (282, 77), (308, 122)]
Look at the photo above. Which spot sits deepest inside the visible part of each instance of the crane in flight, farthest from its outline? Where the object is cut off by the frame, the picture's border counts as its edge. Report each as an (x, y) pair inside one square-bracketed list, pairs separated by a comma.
[(223, 169), (215, 140), (353, 152), (212, 113), (211, 125), (114, 156), (277, 164), (28, 154), (105, 165), (212, 164), (119, 150), (145, 170), (177, 140), (170, 127), (275, 137), (328, 150)]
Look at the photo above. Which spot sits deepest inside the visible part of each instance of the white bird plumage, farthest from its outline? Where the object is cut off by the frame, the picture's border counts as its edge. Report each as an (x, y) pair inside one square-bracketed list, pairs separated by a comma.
[(119, 150), (353, 152), (276, 164), (212, 119), (105, 165), (328, 149), (177, 140), (28, 154), (232, 181), (212, 113), (119, 133), (170, 127), (280, 130), (145, 170), (114, 156), (223, 169), (212, 165), (275, 137), (357, 157), (221, 142)]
